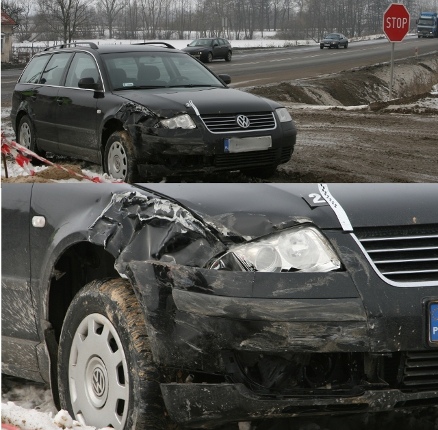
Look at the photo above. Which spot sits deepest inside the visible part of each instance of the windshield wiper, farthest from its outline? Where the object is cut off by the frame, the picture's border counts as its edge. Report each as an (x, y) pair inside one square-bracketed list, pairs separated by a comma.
[(194, 86), (139, 87)]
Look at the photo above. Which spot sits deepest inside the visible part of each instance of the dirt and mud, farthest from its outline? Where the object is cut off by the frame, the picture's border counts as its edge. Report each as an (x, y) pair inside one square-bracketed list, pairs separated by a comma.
[(348, 131)]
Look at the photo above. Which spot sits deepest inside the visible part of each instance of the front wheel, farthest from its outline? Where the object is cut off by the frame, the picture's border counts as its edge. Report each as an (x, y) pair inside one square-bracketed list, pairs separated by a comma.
[(106, 375), (228, 57), (119, 157), (346, 46), (209, 58)]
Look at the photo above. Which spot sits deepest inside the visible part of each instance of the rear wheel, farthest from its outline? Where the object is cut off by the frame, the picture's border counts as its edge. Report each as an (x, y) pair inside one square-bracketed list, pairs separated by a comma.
[(26, 135), (119, 157), (106, 374)]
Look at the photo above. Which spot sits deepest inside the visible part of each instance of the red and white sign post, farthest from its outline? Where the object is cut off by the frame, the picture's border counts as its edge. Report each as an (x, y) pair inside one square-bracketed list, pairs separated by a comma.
[(396, 23)]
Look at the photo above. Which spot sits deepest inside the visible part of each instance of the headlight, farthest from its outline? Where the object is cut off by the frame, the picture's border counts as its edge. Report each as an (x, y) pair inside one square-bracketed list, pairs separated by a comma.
[(301, 249), (283, 115), (181, 121)]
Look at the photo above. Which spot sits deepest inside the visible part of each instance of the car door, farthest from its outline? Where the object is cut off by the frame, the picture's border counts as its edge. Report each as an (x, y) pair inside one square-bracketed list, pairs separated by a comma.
[(46, 121), (77, 110), (38, 100), (19, 331), (217, 49)]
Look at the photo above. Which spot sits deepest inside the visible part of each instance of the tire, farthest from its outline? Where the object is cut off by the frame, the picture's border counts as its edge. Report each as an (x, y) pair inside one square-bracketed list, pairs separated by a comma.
[(229, 55), (106, 376), (209, 57), (346, 46), (321, 47), (119, 157), (26, 135), (337, 46)]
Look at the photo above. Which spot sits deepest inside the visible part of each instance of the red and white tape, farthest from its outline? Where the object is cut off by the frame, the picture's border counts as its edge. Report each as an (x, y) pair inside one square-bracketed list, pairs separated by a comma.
[(23, 157)]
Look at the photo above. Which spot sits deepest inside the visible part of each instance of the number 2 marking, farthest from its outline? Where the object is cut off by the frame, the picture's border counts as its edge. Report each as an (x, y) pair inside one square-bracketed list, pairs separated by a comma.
[(317, 199)]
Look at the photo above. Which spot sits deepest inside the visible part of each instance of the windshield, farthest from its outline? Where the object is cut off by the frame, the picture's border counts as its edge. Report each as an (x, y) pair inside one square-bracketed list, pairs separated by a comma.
[(201, 42), (147, 70), (425, 21), (332, 36)]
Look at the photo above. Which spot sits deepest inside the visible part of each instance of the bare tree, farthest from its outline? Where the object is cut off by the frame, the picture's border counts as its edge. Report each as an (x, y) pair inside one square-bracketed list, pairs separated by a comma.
[(63, 17), (109, 10), (20, 11)]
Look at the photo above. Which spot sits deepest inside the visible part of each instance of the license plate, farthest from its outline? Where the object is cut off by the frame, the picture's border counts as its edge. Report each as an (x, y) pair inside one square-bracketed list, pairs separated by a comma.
[(433, 322), (247, 144)]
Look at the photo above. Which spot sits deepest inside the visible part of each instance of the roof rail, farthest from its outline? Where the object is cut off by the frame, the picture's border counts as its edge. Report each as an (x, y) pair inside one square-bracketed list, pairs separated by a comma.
[(167, 45), (66, 45)]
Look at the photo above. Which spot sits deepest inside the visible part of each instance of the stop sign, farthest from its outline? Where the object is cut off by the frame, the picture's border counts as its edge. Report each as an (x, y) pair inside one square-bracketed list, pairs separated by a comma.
[(396, 22)]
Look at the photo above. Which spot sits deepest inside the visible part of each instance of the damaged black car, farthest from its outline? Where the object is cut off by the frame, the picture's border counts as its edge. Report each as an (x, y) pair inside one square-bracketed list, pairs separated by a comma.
[(194, 305), (146, 111)]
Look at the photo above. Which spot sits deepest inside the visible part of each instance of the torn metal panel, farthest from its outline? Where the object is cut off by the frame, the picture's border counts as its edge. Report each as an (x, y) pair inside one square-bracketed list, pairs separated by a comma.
[(136, 227), (195, 314)]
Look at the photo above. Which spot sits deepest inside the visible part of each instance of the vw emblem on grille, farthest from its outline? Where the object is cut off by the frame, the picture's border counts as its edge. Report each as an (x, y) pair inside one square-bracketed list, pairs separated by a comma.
[(243, 121), (98, 382)]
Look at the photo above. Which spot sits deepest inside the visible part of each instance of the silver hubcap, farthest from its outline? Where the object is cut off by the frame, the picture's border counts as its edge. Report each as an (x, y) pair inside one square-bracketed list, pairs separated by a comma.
[(25, 135), (98, 374), (117, 161)]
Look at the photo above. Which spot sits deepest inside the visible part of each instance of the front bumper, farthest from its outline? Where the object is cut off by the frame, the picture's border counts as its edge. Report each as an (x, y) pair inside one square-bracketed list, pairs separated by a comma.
[(165, 152), (213, 404)]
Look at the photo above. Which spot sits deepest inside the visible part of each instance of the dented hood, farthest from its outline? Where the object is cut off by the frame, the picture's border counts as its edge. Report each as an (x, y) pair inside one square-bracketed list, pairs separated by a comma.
[(168, 101), (258, 209)]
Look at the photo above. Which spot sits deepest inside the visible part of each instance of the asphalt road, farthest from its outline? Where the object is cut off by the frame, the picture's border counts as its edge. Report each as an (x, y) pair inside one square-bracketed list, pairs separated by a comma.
[(267, 66), (252, 68)]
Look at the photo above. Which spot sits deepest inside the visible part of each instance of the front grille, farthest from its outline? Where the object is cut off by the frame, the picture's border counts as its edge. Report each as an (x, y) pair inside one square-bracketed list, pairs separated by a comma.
[(420, 369), (404, 256), (228, 123), (246, 159)]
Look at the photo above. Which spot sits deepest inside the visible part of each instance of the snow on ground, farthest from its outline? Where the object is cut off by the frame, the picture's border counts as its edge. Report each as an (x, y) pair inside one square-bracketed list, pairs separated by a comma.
[(265, 40), (32, 407)]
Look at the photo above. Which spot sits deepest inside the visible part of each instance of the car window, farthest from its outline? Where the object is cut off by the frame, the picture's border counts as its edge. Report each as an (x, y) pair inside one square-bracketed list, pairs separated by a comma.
[(145, 69), (202, 42), (82, 66), (54, 70), (32, 73)]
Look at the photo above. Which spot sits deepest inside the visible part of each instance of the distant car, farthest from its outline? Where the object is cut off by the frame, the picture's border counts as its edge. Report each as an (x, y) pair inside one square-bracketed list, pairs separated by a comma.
[(212, 303), (146, 111), (208, 49), (334, 40)]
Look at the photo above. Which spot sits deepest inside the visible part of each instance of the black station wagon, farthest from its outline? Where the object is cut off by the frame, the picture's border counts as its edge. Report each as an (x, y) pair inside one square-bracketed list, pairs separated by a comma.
[(207, 49), (148, 111), (149, 306)]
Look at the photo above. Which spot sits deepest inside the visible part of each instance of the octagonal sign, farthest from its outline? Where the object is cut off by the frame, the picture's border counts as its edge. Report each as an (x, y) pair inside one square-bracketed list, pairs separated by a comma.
[(396, 22)]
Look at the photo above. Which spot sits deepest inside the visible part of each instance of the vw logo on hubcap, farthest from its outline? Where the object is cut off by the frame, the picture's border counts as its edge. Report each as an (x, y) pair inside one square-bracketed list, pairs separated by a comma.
[(243, 121), (98, 382)]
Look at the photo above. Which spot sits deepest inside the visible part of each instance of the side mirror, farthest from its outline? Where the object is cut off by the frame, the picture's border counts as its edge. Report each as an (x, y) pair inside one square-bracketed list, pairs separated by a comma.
[(89, 84), (226, 79)]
